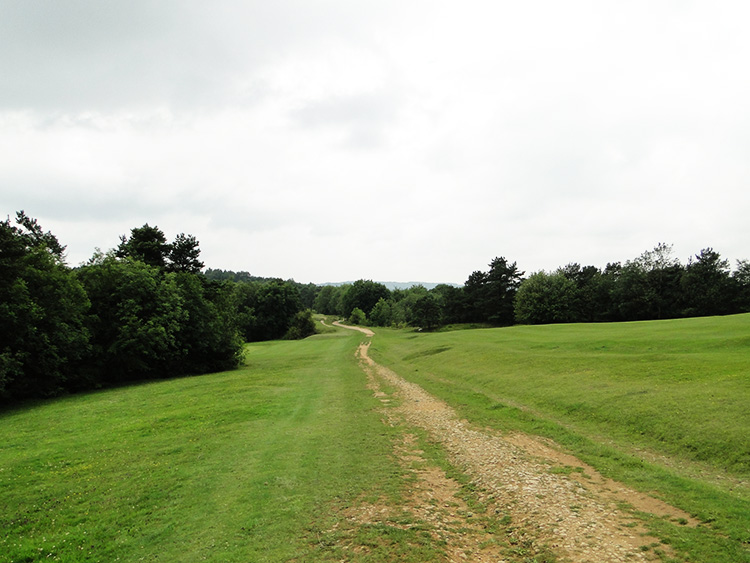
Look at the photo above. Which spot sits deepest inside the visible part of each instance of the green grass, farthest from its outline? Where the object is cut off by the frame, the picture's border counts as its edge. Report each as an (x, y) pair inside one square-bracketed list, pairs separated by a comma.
[(251, 465), (259, 464), (660, 405)]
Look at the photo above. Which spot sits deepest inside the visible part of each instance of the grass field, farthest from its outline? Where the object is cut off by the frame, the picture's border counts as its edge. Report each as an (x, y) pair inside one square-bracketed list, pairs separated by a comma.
[(250, 465), (259, 464), (661, 405)]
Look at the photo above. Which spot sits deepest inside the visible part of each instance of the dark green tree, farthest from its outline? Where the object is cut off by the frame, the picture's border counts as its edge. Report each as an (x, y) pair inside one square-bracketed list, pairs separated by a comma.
[(208, 339), (245, 303), (741, 278), (183, 255), (146, 244), (490, 295), (43, 338), (592, 300), (475, 293), (357, 317), (382, 314), (402, 311), (325, 300), (303, 325), (363, 294), (707, 286), (426, 312), (453, 303), (266, 311), (307, 294), (135, 319), (546, 298), (649, 286)]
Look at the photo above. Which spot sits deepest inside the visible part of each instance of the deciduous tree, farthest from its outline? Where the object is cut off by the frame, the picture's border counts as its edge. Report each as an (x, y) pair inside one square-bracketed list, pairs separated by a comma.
[(546, 298), (147, 244), (363, 294), (707, 285), (43, 339)]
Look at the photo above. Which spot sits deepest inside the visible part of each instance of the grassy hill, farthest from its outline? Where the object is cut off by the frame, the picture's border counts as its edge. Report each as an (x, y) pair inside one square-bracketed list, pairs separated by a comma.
[(259, 463), (660, 405), (249, 465)]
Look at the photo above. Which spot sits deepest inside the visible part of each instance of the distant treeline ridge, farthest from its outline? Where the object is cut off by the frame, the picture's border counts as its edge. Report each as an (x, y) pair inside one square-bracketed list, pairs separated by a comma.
[(655, 285)]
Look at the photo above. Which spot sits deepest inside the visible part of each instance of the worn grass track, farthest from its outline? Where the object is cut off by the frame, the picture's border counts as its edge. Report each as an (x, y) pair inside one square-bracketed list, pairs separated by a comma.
[(252, 465), (288, 459), (661, 406)]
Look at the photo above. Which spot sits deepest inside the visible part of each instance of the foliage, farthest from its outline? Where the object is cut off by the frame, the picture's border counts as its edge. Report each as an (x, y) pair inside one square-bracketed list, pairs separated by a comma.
[(741, 282), (649, 286), (491, 294), (229, 275), (453, 303), (308, 293), (266, 311), (364, 295), (208, 339), (707, 286), (652, 286), (426, 312), (303, 326), (43, 338), (382, 313), (591, 298), (256, 464), (146, 244), (327, 301), (149, 245), (545, 298), (502, 282), (183, 255), (358, 317), (139, 312), (135, 318), (404, 302)]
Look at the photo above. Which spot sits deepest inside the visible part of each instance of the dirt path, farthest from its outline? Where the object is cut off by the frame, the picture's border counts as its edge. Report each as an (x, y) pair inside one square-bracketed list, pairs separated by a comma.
[(552, 497)]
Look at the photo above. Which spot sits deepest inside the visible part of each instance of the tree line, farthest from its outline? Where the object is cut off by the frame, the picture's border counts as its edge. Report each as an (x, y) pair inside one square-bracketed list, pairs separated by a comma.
[(141, 311), (655, 285), (147, 309)]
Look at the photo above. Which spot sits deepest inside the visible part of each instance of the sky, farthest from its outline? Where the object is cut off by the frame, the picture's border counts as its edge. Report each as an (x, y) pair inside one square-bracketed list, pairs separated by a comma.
[(333, 140)]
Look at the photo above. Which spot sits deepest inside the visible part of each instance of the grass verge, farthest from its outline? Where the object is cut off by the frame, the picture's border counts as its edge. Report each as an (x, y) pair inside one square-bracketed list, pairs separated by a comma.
[(661, 406), (250, 465)]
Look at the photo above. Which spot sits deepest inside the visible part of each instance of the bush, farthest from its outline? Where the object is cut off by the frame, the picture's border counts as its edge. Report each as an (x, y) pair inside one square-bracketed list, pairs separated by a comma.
[(303, 326), (358, 317)]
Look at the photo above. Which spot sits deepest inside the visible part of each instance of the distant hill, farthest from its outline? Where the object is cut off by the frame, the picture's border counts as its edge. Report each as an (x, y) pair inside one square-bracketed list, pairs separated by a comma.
[(399, 285), (242, 276)]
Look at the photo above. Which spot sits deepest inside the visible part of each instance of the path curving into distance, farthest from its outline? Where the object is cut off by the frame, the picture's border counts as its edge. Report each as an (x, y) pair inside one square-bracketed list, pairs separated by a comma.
[(577, 513)]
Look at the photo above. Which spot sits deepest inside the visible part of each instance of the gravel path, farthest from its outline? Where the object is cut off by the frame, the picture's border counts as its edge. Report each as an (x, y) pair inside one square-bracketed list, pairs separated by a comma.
[(553, 496)]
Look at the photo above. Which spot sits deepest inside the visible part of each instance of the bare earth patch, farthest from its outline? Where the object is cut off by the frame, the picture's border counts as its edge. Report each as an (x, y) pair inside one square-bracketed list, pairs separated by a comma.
[(432, 504), (551, 496)]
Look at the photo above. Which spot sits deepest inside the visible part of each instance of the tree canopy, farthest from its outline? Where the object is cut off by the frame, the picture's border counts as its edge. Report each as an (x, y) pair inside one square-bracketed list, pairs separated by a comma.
[(146, 310), (143, 310)]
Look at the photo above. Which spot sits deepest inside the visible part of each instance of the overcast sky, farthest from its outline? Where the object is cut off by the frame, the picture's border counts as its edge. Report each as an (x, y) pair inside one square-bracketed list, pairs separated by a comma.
[(390, 140)]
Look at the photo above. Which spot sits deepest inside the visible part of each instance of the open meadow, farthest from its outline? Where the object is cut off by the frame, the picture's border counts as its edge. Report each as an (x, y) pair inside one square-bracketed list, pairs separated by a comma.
[(288, 458), (661, 406), (250, 465)]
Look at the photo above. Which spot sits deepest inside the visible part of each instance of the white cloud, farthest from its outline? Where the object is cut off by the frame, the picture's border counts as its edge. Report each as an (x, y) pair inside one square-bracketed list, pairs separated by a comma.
[(392, 140)]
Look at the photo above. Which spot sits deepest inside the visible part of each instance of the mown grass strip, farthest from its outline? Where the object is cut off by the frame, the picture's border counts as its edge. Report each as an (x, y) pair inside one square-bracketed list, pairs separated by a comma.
[(249, 465), (660, 405)]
